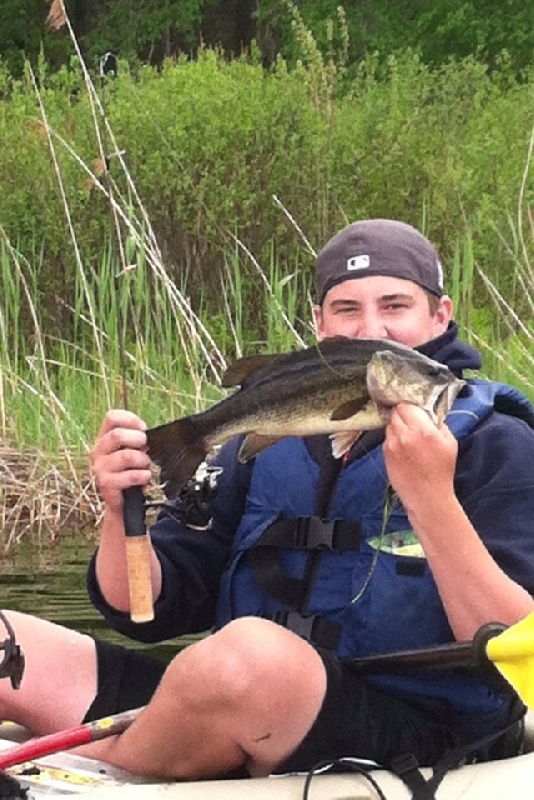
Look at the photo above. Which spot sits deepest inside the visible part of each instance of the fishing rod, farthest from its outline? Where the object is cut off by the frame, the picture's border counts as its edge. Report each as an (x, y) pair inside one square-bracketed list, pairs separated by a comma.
[(138, 551), (509, 650)]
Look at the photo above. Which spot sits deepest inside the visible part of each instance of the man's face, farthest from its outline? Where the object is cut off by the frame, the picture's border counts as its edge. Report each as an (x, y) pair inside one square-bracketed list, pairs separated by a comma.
[(380, 307)]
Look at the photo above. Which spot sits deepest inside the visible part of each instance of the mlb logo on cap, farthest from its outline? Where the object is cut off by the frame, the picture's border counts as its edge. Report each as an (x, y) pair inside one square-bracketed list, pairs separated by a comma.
[(358, 262)]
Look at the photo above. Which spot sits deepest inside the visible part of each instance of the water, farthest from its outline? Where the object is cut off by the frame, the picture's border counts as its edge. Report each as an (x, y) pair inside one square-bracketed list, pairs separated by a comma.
[(49, 580)]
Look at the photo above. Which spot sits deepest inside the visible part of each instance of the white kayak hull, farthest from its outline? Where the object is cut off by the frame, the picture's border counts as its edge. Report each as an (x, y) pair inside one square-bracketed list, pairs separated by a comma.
[(63, 774)]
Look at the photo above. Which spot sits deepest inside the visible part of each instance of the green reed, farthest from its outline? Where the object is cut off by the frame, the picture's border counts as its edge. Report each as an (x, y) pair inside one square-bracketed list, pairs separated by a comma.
[(501, 327), (165, 372)]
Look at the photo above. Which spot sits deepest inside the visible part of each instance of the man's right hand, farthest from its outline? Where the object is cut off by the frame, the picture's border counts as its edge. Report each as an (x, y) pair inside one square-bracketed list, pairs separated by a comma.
[(119, 458)]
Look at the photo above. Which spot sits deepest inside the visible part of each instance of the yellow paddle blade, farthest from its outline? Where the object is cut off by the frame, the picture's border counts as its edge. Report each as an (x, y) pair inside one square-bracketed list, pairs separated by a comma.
[(512, 652)]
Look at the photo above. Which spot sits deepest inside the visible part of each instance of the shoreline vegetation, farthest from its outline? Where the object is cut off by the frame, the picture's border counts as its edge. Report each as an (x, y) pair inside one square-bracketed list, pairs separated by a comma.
[(158, 223)]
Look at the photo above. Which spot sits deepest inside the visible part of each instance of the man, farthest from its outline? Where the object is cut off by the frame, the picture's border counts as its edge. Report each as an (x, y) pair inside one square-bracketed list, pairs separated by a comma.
[(454, 552)]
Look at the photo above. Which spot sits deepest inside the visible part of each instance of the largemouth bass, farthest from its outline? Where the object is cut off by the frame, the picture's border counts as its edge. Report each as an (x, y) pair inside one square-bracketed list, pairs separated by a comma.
[(339, 387)]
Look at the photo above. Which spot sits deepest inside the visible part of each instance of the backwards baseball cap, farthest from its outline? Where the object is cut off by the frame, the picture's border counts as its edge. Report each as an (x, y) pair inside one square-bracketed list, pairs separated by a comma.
[(378, 247)]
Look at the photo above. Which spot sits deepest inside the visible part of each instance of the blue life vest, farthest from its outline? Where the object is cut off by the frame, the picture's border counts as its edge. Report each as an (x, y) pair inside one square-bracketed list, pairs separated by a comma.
[(356, 582)]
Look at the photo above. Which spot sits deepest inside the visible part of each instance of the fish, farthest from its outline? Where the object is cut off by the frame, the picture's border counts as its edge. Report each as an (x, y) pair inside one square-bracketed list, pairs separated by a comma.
[(339, 386)]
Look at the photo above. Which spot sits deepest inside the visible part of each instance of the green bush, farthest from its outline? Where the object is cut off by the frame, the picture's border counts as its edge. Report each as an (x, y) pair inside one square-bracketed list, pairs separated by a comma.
[(208, 143)]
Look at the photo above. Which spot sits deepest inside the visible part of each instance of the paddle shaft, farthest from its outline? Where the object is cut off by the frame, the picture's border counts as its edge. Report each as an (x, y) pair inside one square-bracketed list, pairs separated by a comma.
[(448, 656), (67, 739)]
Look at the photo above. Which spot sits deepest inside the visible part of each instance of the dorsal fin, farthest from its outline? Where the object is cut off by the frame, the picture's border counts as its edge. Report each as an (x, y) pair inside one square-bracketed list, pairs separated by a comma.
[(242, 368)]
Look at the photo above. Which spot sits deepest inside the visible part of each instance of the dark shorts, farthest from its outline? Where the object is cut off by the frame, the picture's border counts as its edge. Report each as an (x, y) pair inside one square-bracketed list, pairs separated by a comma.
[(356, 719), (126, 679)]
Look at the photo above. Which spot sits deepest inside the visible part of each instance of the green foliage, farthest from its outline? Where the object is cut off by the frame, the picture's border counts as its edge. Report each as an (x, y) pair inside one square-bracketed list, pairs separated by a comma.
[(134, 29), (150, 30), (208, 143), (437, 29), (486, 28), (20, 32)]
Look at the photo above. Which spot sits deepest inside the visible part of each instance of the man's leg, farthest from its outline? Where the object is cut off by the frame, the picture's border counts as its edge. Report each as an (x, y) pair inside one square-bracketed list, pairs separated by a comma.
[(246, 695), (60, 677)]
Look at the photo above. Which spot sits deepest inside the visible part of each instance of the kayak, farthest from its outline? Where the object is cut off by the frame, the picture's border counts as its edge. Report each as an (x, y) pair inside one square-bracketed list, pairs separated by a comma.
[(64, 774)]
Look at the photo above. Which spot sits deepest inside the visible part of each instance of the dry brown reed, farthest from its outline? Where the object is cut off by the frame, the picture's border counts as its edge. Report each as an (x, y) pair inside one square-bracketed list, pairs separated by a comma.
[(37, 499), (57, 16)]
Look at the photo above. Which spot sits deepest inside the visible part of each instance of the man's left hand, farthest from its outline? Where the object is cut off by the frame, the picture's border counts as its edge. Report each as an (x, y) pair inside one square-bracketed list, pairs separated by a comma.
[(420, 457)]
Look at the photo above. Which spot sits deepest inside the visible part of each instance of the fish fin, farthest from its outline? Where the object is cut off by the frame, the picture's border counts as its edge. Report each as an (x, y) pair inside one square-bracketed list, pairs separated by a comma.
[(343, 441), (346, 410), (177, 448), (242, 368), (254, 444)]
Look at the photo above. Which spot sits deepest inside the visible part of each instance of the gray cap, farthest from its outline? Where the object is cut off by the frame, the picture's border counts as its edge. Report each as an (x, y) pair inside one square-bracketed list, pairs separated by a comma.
[(379, 247)]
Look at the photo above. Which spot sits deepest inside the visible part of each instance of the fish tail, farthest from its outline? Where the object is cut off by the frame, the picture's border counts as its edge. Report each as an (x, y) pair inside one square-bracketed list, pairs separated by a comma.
[(177, 448)]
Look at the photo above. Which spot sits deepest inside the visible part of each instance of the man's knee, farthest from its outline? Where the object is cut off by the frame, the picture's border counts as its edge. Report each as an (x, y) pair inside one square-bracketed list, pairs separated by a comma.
[(258, 649), (251, 656)]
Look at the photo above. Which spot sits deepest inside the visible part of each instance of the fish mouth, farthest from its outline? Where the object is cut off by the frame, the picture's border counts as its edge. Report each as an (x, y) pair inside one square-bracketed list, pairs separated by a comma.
[(392, 379), (446, 398)]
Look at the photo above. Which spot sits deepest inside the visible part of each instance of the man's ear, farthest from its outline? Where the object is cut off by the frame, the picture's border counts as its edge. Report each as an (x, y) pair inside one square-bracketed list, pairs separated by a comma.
[(444, 314)]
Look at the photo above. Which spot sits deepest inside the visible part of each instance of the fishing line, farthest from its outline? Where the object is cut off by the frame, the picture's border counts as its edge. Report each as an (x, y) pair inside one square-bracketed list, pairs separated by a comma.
[(390, 496)]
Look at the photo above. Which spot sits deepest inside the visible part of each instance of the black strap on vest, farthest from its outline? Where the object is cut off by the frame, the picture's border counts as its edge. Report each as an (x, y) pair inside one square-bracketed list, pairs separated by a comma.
[(313, 535), (314, 628), (304, 533)]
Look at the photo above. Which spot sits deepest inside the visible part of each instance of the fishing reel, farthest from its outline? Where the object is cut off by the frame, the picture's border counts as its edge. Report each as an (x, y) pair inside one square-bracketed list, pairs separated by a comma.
[(12, 664), (197, 495), (195, 499)]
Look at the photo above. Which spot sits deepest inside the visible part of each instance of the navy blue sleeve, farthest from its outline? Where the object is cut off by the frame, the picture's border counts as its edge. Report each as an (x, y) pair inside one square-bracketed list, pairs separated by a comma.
[(495, 485), (192, 562)]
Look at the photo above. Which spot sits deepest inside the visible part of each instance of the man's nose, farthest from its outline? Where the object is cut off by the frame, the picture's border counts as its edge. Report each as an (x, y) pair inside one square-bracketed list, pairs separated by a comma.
[(371, 327)]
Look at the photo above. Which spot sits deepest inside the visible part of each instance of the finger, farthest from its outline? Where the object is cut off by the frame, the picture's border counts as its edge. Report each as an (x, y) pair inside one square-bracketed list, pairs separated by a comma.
[(121, 459), (120, 418), (409, 419), (115, 482), (119, 439), (119, 470)]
